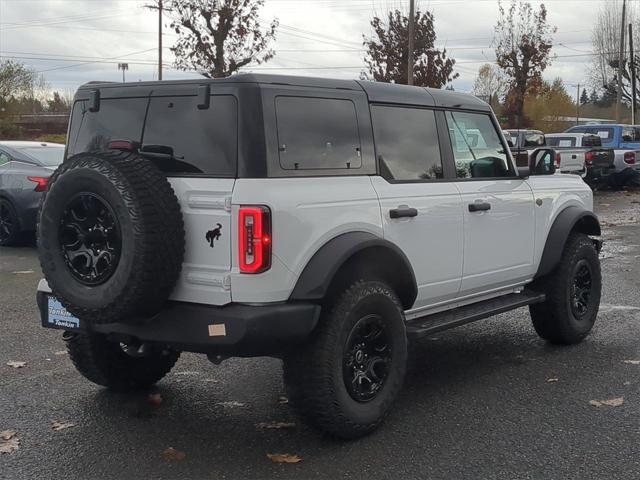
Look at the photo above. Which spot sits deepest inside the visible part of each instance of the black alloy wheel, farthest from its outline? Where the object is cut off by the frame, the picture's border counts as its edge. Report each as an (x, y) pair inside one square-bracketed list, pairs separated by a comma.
[(581, 289), (367, 358), (90, 238)]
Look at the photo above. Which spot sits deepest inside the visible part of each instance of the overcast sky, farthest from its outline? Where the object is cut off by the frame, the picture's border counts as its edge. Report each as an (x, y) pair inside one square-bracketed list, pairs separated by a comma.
[(316, 37)]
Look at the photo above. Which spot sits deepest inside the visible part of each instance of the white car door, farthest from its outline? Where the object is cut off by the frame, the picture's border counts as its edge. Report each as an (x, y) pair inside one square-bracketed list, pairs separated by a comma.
[(420, 214), (498, 207)]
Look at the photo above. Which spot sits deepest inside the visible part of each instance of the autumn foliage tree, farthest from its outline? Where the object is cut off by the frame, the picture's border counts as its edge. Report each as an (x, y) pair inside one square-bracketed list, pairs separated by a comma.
[(548, 106), (523, 52), (218, 37), (388, 51)]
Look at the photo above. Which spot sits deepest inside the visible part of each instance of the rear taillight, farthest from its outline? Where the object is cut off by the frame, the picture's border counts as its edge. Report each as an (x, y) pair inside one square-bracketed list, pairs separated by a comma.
[(588, 158), (41, 183), (254, 238), (558, 160), (630, 158)]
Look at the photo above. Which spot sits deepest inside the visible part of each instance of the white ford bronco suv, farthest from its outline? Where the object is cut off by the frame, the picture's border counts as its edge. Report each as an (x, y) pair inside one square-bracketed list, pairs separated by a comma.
[(325, 222)]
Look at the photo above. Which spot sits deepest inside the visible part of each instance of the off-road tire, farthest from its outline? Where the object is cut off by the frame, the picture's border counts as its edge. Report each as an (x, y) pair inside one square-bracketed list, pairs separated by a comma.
[(313, 374), (15, 237), (554, 320), (105, 363), (151, 231)]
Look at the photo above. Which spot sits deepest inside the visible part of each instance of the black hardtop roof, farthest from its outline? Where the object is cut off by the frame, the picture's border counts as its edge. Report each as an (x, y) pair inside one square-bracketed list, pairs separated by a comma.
[(376, 91)]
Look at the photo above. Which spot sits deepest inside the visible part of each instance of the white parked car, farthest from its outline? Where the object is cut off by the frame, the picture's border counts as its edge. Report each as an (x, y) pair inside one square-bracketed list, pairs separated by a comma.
[(582, 154)]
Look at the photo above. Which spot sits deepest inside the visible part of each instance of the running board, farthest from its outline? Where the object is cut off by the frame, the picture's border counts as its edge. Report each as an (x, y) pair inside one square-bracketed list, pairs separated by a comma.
[(456, 317)]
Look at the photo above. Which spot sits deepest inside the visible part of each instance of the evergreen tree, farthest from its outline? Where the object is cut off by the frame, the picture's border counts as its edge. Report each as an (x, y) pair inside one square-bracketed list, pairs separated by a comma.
[(584, 98)]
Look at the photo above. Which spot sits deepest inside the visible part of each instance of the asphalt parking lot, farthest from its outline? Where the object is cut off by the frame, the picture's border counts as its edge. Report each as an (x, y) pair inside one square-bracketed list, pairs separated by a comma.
[(489, 400)]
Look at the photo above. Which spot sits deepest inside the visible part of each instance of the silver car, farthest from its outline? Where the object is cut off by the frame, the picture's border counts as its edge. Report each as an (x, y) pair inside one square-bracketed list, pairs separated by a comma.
[(25, 168)]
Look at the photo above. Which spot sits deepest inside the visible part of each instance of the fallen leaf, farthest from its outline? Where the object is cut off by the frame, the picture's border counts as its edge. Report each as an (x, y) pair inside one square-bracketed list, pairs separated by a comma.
[(10, 445), (613, 402), (283, 400), (626, 384), (16, 364), (155, 399), (61, 352), (283, 458), (274, 425), (231, 404), (22, 272), (632, 362), (58, 425), (7, 434), (171, 454), (552, 380)]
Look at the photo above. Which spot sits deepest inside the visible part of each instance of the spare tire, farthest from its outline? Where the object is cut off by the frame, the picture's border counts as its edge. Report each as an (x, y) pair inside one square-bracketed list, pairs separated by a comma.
[(110, 237)]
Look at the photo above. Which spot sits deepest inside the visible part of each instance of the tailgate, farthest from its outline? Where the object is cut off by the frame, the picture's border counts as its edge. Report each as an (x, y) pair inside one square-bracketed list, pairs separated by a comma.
[(206, 209), (571, 160), (602, 157)]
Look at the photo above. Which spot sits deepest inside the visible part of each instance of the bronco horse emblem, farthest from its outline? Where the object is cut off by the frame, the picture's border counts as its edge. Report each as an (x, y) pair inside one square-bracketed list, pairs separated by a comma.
[(213, 235)]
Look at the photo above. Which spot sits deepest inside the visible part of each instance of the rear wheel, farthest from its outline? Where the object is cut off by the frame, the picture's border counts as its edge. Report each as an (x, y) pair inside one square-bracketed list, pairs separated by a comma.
[(10, 234), (346, 379), (573, 294), (118, 366)]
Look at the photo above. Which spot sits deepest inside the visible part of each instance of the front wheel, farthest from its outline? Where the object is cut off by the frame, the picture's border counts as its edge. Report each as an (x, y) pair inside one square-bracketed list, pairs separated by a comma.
[(573, 294), (346, 378), (118, 366)]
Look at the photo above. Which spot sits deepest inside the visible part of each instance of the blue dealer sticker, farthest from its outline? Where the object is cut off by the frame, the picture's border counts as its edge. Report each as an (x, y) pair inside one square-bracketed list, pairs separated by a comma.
[(59, 316)]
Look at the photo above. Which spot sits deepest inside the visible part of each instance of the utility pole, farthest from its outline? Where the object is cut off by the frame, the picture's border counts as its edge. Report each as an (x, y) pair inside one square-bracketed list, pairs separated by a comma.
[(632, 68), (159, 39), (621, 60), (412, 9), (123, 67), (578, 106)]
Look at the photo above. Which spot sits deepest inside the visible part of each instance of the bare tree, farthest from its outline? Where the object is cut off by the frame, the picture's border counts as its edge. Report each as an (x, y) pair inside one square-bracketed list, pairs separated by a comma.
[(218, 37), (523, 51), (490, 84), (605, 41)]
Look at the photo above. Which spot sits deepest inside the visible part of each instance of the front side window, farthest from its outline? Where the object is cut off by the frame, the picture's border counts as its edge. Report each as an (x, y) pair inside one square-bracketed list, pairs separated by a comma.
[(406, 143), (477, 149), (317, 133)]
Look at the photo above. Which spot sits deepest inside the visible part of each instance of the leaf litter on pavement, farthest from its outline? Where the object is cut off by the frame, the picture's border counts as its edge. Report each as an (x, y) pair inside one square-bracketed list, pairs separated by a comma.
[(58, 425), (631, 362), (16, 364), (173, 455), (283, 458), (274, 425), (9, 442), (612, 402)]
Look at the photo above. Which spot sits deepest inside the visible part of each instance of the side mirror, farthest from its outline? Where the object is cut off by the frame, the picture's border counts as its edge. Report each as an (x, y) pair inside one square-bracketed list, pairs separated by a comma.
[(542, 161)]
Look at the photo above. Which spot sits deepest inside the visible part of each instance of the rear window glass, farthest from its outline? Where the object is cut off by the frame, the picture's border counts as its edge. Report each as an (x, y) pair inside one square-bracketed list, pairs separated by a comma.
[(117, 119), (561, 141), (606, 134), (407, 143), (203, 141), (317, 133)]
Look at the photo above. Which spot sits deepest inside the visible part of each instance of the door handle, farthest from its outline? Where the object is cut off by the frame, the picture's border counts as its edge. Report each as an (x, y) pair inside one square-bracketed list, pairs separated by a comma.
[(479, 207), (403, 211)]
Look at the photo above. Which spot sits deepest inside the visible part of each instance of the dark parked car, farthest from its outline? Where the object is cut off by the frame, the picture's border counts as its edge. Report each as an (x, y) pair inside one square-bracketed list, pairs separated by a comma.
[(25, 168)]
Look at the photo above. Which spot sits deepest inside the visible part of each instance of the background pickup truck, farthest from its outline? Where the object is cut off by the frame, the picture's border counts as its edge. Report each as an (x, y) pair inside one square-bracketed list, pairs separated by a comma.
[(522, 143), (623, 139), (582, 154)]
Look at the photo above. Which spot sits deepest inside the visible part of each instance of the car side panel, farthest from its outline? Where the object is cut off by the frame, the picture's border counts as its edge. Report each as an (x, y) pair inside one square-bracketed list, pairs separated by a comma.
[(306, 214), (553, 194)]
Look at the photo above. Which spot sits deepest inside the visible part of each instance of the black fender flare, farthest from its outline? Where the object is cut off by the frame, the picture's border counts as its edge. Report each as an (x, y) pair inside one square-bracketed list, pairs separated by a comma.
[(316, 278), (573, 218)]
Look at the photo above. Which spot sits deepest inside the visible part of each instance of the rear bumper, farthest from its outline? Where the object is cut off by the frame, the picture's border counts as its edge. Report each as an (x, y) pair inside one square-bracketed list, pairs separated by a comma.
[(231, 330)]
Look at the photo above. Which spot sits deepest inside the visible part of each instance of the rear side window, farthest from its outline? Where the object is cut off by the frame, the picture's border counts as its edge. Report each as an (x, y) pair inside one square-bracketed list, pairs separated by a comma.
[(477, 149), (606, 134), (203, 141), (406, 143), (317, 133), (117, 119)]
